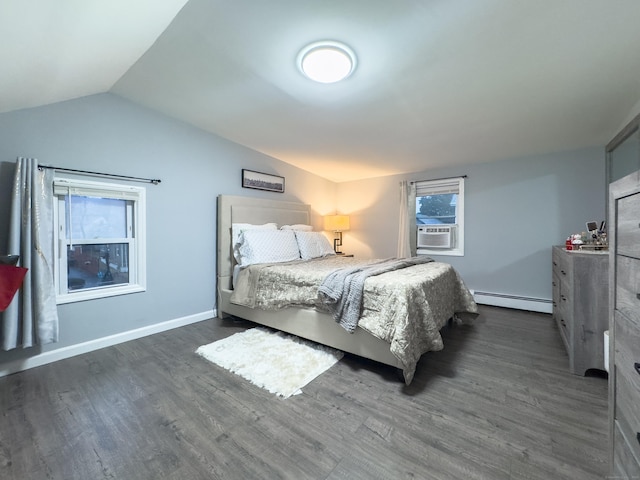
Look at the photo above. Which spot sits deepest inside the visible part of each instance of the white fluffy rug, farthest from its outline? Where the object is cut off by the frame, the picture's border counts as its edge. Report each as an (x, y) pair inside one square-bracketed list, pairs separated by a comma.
[(277, 362)]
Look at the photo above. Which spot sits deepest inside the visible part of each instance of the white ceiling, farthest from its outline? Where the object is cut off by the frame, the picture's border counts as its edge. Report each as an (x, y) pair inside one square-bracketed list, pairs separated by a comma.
[(439, 82)]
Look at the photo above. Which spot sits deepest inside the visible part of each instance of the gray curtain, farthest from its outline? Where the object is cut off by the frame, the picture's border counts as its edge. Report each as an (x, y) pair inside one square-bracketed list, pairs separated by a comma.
[(32, 316), (407, 216)]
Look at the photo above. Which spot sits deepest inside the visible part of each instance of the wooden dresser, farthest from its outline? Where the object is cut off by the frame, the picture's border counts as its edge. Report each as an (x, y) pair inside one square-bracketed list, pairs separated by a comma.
[(624, 327), (581, 305)]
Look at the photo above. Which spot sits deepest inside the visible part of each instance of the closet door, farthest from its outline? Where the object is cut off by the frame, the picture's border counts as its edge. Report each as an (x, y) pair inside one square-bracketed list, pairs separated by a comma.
[(623, 152)]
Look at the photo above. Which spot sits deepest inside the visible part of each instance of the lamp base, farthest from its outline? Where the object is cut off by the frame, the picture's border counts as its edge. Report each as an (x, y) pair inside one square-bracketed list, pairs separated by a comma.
[(337, 243)]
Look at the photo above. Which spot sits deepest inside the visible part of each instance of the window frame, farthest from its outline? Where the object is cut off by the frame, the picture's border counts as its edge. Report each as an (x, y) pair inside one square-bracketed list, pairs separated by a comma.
[(136, 238), (458, 249)]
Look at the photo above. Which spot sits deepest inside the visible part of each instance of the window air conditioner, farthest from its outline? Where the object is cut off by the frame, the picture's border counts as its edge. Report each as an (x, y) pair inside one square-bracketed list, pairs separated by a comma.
[(436, 236)]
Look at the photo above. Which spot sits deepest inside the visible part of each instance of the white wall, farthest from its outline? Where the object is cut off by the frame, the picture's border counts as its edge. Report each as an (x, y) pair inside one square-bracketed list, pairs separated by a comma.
[(515, 211)]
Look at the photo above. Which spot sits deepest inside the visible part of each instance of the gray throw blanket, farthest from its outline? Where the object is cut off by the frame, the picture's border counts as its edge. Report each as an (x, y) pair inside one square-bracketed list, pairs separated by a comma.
[(342, 291)]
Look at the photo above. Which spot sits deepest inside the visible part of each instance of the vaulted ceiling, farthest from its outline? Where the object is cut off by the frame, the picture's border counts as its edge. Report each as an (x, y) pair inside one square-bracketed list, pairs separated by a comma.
[(438, 82)]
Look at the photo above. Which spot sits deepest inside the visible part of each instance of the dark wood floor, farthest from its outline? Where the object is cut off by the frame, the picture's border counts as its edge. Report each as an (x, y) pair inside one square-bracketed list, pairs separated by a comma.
[(496, 403)]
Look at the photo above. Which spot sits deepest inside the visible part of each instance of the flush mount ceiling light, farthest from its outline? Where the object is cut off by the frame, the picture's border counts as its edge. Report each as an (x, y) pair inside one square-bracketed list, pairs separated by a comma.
[(327, 61)]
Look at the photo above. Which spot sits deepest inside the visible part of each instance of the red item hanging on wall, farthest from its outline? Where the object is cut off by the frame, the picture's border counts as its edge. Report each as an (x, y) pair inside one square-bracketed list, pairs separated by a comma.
[(10, 281)]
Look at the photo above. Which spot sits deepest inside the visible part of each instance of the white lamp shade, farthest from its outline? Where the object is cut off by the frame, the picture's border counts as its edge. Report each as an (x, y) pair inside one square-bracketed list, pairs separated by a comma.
[(336, 223)]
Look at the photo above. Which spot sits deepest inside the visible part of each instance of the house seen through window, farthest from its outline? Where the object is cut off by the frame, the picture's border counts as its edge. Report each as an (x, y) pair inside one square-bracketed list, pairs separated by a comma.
[(440, 216), (100, 230)]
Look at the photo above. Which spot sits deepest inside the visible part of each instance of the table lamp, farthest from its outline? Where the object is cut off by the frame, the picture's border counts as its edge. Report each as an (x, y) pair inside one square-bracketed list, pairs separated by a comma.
[(337, 224)]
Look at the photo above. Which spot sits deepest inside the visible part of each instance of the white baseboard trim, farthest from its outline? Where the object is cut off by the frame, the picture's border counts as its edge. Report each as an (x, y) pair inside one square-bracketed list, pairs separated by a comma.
[(85, 347), (532, 304)]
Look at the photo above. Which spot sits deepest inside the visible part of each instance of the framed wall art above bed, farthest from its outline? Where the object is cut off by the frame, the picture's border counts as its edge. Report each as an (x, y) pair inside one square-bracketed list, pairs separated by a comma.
[(262, 181)]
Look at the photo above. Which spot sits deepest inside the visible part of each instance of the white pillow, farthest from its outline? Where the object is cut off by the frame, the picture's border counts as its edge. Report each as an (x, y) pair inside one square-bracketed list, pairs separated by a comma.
[(313, 245), (267, 246), (299, 227), (238, 228)]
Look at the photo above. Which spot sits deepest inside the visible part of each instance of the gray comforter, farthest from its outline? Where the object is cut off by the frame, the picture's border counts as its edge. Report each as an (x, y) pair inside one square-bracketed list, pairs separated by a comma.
[(405, 307)]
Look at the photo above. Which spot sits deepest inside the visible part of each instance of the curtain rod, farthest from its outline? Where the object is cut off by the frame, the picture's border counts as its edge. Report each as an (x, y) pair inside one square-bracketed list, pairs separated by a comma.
[(436, 179), (155, 181)]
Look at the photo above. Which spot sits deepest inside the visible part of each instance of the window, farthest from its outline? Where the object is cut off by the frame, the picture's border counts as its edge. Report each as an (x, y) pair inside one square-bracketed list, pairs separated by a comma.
[(440, 216), (100, 239)]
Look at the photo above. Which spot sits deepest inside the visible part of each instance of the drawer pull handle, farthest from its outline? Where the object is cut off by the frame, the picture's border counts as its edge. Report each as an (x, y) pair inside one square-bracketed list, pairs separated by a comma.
[(563, 272), (637, 367)]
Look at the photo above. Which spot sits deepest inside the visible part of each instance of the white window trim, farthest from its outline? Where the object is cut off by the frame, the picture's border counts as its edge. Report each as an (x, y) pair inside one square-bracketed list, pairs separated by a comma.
[(458, 251), (137, 253)]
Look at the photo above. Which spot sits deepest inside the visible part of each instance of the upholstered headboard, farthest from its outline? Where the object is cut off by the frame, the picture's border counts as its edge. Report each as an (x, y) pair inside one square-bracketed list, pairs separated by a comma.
[(235, 209)]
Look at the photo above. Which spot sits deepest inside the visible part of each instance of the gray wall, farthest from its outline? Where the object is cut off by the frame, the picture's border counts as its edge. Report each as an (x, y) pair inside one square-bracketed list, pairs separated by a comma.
[(515, 211), (108, 134)]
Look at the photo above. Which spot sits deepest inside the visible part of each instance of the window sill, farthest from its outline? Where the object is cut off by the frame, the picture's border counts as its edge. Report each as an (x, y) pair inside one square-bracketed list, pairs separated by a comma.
[(449, 253), (93, 294)]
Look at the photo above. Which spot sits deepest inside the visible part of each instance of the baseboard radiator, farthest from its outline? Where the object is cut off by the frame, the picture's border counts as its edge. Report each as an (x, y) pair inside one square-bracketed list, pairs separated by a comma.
[(532, 304)]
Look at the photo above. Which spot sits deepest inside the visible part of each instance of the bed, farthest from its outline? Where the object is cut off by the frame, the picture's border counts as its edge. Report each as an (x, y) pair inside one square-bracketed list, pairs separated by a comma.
[(369, 340)]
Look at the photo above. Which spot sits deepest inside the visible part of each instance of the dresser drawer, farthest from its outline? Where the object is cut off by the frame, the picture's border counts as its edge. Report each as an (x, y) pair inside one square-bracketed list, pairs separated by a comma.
[(564, 326), (565, 305), (627, 348), (563, 276), (625, 465), (627, 379), (628, 287), (555, 286), (628, 229), (562, 266), (562, 281), (627, 412)]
